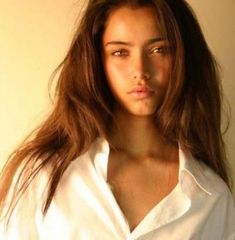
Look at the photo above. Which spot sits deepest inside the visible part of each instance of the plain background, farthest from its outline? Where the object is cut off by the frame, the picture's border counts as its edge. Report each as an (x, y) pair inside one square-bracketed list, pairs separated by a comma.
[(34, 38)]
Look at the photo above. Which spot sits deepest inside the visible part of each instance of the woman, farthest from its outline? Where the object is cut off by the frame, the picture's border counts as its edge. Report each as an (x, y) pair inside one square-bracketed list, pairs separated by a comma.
[(133, 148)]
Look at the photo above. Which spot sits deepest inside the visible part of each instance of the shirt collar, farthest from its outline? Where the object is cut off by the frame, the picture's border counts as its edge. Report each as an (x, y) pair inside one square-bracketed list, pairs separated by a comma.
[(189, 167), (100, 154), (191, 187), (194, 169)]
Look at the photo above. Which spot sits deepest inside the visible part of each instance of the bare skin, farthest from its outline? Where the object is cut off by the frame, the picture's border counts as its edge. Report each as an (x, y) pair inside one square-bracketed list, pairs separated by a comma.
[(143, 168), (141, 175)]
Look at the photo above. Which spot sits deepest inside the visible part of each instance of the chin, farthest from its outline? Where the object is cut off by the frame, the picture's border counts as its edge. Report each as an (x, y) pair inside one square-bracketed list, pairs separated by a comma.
[(143, 112)]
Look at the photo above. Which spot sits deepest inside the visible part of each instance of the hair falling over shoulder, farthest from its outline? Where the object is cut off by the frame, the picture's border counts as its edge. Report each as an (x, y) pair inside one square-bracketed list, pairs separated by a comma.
[(190, 113)]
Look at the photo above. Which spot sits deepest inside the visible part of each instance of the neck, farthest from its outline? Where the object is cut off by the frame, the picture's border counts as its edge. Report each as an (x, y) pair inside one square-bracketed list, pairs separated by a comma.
[(138, 136)]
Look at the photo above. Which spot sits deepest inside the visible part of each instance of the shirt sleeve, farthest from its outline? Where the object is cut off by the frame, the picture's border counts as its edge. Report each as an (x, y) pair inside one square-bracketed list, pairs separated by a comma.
[(230, 218), (222, 220), (22, 223)]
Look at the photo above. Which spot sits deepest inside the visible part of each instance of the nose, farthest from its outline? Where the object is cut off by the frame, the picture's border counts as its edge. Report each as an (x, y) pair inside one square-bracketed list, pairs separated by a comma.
[(140, 67)]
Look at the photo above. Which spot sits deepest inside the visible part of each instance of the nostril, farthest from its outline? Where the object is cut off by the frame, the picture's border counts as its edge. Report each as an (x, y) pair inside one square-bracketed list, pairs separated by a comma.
[(142, 76)]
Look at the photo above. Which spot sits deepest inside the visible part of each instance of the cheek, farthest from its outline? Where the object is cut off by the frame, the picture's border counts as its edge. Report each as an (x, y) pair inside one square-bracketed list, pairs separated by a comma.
[(116, 73), (161, 71), (115, 67)]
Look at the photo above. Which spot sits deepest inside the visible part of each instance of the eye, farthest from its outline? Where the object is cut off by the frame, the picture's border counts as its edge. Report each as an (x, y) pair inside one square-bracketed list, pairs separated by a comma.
[(120, 53), (159, 50)]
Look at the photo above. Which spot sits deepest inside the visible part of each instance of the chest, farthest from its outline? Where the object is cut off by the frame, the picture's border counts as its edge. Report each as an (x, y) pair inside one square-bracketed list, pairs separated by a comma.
[(138, 187)]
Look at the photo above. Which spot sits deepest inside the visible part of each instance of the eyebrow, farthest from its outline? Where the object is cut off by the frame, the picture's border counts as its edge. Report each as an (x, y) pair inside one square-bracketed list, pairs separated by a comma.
[(150, 41)]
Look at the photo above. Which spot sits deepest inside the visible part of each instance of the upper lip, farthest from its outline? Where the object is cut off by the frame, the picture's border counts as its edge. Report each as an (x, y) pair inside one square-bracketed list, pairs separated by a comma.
[(141, 89)]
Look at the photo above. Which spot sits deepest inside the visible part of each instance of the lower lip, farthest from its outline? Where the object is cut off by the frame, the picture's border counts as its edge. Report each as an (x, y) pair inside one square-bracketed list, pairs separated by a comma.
[(141, 94)]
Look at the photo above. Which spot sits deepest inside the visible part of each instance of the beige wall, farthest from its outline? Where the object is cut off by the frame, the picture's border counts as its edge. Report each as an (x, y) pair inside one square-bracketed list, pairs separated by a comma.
[(34, 36), (34, 39), (217, 19)]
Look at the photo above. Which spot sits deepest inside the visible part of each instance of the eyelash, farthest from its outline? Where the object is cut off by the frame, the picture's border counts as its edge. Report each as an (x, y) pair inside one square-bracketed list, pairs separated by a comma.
[(125, 53), (120, 53), (159, 50)]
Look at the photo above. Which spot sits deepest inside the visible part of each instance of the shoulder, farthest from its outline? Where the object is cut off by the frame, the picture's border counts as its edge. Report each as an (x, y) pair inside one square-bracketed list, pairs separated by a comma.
[(219, 200), (205, 181), (201, 174), (212, 181), (220, 191), (211, 200), (223, 203), (21, 209)]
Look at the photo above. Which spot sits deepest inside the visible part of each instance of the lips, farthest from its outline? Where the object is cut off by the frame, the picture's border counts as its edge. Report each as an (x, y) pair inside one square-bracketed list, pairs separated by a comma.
[(141, 92)]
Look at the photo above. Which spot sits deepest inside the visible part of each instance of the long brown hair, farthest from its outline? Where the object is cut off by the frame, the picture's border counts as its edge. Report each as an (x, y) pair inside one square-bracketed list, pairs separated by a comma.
[(190, 113)]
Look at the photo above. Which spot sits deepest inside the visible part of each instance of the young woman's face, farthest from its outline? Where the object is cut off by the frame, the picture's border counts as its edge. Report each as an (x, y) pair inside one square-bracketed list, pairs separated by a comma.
[(136, 60)]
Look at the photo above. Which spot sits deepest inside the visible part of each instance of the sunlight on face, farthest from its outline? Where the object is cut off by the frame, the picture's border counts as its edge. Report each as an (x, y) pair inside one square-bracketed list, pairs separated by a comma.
[(136, 60)]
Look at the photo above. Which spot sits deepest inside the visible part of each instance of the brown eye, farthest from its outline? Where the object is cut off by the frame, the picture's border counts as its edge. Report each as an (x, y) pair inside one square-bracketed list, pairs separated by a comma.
[(159, 50), (121, 52)]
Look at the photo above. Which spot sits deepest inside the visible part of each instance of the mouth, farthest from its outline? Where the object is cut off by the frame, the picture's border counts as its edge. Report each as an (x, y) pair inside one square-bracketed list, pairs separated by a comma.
[(141, 92)]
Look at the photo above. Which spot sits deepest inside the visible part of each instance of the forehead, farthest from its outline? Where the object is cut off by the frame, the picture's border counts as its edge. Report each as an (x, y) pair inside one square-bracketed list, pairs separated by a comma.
[(128, 23)]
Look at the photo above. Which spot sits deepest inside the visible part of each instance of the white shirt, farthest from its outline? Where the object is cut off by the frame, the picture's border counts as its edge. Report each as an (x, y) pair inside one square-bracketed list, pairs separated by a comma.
[(84, 208)]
